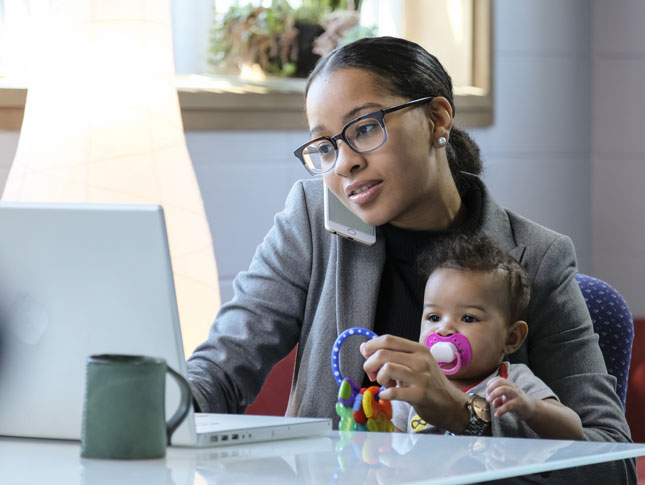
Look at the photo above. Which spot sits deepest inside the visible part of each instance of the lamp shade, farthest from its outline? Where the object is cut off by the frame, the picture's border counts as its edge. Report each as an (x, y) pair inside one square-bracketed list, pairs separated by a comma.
[(102, 124)]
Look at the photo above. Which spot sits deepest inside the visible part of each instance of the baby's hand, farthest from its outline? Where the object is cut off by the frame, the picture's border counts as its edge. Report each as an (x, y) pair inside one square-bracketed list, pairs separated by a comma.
[(506, 396)]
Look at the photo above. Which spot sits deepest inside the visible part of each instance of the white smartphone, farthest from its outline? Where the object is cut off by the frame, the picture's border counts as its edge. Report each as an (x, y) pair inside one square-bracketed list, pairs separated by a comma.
[(340, 220)]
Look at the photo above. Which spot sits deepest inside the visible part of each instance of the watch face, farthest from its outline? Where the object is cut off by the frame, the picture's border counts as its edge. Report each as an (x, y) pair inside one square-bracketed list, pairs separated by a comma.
[(481, 408)]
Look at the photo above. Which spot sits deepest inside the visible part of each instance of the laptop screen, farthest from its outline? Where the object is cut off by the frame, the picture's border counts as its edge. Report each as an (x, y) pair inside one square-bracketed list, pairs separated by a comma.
[(77, 280)]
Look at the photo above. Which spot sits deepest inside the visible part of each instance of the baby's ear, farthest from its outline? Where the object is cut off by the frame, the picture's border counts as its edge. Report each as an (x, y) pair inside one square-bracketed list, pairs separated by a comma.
[(516, 334)]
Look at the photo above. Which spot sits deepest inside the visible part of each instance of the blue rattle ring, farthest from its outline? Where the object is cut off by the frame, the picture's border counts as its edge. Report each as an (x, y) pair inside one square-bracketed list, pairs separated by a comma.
[(335, 351)]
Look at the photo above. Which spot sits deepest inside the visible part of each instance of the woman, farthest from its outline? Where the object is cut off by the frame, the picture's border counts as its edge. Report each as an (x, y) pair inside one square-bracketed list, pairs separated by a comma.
[(380, 112)]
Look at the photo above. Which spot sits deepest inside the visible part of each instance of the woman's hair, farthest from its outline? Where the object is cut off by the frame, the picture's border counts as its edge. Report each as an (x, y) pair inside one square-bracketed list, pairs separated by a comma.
[(407, 69), (477, 253)]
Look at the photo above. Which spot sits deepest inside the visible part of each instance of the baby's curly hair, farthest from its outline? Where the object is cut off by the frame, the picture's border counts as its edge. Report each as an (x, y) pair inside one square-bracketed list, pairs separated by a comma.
[(478, 253)]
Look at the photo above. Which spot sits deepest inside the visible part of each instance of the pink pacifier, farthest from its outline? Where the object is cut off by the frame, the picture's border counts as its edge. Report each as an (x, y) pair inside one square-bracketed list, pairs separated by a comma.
[(452, 353)]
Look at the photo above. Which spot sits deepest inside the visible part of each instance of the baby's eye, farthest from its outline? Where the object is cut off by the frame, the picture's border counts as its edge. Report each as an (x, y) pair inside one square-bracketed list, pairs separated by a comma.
[(433, 318), (469, 319)]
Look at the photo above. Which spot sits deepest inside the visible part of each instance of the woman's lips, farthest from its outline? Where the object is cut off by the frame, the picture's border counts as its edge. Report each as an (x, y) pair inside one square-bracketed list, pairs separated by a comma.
[(362, 193)]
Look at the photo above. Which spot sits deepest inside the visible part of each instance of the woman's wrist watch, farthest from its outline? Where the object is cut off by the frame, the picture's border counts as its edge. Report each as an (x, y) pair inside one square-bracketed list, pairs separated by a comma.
[(479, 412)]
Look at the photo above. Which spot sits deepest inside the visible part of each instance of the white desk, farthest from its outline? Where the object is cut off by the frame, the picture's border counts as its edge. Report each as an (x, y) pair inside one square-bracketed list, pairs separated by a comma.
[(354, 458)]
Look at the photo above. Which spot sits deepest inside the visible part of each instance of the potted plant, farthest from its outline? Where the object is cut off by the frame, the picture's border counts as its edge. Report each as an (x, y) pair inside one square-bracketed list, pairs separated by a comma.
[(280, 40)]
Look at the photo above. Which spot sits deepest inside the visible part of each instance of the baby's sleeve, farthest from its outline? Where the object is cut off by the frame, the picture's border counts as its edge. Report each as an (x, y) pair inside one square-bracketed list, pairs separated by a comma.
[(400, 415), (532, 385)]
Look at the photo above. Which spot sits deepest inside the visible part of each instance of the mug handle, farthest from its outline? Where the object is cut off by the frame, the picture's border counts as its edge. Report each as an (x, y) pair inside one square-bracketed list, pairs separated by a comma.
[(185, 402)]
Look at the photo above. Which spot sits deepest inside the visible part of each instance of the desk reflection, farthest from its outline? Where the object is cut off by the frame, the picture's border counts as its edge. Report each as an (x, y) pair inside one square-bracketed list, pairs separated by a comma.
[(396, 458), (337, 458), (367, 458), (142, 472), (278, 462), (407, 462)]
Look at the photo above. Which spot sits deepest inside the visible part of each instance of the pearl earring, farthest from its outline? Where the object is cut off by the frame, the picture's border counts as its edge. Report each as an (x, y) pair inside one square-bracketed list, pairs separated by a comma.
[(442, 141)]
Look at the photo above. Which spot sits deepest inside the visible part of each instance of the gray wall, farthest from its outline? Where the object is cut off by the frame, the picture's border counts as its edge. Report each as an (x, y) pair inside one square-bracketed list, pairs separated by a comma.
[(244, 179), (618, 147), (566, 149), (536, 155)]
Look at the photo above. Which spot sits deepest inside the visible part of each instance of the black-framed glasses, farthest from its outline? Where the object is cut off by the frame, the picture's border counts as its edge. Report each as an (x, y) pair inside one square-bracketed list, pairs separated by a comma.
[(363, 134)]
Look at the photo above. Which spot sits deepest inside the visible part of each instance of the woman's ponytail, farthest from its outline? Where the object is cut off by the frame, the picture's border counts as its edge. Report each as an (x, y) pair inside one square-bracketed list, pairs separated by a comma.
[(463, 156)]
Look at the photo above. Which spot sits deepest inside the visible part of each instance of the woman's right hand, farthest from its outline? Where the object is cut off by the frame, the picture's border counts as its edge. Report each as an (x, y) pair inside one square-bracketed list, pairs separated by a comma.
[(411, 374)]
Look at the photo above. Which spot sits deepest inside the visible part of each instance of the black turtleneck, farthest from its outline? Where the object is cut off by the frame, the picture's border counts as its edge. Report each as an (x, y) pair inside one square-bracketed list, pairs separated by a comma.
[(400, 301)]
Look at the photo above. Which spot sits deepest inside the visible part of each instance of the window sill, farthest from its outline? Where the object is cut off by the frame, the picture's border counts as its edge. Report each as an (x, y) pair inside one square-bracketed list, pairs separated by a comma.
[(219, 103)]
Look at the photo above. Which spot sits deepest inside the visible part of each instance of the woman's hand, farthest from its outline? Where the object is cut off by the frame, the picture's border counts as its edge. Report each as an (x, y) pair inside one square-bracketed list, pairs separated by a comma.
[(412, 375), (507, 397)]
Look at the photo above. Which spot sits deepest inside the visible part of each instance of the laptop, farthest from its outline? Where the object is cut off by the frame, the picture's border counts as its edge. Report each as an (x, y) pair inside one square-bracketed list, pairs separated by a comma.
[(83, 279)]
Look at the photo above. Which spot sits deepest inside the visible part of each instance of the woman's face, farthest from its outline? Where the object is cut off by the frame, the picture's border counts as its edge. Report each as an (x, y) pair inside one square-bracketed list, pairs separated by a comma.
[(402, 182)]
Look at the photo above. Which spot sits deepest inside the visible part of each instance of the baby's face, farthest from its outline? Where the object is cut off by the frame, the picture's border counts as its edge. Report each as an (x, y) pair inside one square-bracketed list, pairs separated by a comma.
[(474, 304)]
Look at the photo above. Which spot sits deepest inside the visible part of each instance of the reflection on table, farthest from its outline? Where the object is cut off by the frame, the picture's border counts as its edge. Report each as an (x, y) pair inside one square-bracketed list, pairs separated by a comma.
[(339, 458)]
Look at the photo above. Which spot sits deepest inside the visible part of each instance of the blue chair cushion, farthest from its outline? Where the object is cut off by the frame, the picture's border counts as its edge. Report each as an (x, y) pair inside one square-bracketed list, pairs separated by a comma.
[(613, 322)]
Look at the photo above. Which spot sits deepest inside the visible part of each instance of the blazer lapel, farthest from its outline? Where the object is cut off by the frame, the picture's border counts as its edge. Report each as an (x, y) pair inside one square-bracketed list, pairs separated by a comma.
[(517, 253), (495, 223)]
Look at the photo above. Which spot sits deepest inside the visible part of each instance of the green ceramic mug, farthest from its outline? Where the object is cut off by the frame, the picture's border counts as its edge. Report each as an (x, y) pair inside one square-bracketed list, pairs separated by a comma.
[(124, 409)]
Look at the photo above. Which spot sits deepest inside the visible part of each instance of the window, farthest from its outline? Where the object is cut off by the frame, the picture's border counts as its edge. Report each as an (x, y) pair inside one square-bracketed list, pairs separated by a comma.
[(458, 32)]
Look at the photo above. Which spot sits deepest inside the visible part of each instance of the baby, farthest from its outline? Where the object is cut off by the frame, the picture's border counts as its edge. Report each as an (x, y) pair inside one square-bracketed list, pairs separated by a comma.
[(474, 300)]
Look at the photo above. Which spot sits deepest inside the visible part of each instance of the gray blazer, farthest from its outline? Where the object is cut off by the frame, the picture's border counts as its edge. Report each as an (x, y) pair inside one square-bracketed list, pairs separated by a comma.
[(305, 286)]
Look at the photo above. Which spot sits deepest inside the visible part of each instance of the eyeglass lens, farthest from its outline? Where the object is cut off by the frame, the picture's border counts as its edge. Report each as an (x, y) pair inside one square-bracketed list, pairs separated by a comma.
[(364, 135)]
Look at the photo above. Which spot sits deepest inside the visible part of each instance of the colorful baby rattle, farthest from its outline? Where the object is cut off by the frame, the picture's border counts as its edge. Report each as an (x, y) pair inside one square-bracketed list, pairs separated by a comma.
[(359, 409)]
